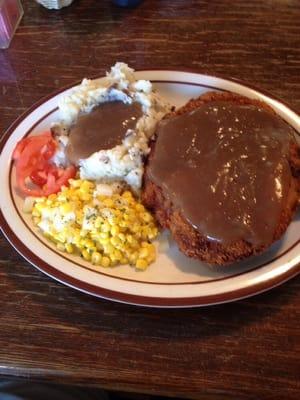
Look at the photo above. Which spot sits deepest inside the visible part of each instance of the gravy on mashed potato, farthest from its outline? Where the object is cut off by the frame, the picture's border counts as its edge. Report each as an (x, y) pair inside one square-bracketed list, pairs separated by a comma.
[(103, 128)]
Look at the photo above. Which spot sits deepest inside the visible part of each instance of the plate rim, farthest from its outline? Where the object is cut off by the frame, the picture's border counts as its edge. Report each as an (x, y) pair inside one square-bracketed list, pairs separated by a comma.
[(161, 302), (137, 300)]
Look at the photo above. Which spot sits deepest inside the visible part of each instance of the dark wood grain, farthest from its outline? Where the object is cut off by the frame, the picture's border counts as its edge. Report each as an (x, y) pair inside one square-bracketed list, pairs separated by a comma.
[(246, 350)]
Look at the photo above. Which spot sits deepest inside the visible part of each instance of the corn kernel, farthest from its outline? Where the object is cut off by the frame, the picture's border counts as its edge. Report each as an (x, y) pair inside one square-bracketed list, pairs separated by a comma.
[(85, 197), (83, 233), (98, 222), (75, 182), (105, 227), (86, 255), (115, 241), (122, 237), (96, 258), (89, 243), (144, 253), (150, 259), (127, 195), (36, 220), (108, 202), (60, 246), (69, 248), (108, 248), (115, 230), (105, 262), (133, 256), (99, 246), (65, 208), (141, 264), (146, 217), (86, 186), (140, 208), (116, 256), (60, 238), (62, 198)]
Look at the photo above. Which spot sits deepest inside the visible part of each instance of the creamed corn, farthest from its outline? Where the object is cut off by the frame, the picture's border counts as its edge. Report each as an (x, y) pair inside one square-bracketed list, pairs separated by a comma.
[(104, 230)]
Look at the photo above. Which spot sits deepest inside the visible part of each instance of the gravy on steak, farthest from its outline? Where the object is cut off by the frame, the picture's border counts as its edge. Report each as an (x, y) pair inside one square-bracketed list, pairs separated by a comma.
[(225, 168)]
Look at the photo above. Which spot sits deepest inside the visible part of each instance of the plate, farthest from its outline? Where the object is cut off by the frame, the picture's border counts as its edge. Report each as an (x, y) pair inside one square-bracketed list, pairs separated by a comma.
[(173, 280)]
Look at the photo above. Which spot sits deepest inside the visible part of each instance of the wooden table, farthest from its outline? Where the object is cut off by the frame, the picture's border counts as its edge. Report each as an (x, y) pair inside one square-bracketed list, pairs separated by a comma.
[(246, 350)]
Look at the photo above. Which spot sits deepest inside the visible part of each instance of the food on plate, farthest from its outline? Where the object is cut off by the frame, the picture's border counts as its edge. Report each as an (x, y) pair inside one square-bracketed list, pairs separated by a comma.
[(224, 176), (222, 173), (106, 124), (105, 230), (35, 173), (102, 137)]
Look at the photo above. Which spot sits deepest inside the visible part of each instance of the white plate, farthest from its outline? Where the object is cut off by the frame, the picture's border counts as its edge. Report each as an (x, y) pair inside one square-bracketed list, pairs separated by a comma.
[(173, 280)]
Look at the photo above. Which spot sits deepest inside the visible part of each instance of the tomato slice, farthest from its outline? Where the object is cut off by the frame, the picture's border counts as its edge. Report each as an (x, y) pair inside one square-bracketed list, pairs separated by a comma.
[(22, 185), (32, 157), (53, 184), (31, 143), (39, 178)]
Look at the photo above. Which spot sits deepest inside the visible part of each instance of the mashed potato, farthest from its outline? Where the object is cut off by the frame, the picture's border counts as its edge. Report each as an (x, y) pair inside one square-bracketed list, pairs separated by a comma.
[(123, 163)]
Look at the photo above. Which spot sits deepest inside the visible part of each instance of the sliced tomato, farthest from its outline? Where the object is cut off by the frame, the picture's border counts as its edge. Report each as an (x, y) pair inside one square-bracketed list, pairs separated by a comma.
[(22, 185), (54, 184), (31, 143), (32, 156), (39, 178)]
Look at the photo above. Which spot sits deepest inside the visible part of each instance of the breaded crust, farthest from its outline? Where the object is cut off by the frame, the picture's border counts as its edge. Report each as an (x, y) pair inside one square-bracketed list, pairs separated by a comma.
[(189, 240)]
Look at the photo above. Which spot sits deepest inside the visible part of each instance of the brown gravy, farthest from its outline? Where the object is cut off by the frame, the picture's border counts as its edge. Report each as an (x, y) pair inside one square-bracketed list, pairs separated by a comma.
[(225, 167), (101, 129)]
